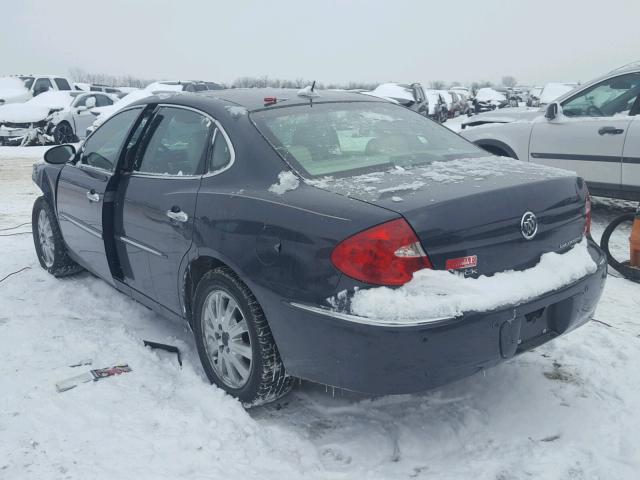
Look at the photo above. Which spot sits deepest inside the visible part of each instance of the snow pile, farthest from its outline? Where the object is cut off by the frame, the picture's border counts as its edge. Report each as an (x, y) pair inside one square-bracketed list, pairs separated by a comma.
[(287, 180), (438, 293), (236, 110), (371, 186)]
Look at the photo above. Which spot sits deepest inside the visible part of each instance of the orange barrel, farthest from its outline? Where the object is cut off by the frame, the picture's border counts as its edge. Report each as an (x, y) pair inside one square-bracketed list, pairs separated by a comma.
[(634, 241)]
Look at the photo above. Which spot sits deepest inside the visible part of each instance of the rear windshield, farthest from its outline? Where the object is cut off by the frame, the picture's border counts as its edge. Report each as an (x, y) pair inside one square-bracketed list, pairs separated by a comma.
[(347, 138)]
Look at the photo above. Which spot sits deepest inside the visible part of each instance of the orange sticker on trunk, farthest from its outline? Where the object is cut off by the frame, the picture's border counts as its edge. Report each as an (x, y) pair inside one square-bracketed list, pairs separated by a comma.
[(461, 263)]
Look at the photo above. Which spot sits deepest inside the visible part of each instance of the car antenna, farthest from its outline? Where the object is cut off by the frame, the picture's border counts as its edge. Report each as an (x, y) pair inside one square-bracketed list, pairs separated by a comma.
[(309, 92)]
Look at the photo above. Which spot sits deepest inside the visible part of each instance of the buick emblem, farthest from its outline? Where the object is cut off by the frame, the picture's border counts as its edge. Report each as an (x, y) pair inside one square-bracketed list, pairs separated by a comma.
[(529, 225)]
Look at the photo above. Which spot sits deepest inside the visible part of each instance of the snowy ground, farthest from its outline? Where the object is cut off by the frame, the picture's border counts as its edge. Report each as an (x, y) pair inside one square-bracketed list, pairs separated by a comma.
[(568, 410)]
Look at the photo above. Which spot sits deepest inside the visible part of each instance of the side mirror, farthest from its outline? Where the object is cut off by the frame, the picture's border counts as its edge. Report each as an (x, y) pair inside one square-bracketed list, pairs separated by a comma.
[(552, 111), (91, 102), (82, 108), (60, 154)]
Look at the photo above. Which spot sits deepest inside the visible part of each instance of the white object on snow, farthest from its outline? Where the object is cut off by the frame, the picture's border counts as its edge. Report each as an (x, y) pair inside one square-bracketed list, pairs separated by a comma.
[(287, 180), (438, 294)]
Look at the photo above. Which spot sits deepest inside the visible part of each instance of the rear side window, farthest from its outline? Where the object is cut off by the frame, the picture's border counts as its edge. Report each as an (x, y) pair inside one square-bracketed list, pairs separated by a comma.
[(101, 149), (62, 84), (344, 138), (176, 143), (220, 154)]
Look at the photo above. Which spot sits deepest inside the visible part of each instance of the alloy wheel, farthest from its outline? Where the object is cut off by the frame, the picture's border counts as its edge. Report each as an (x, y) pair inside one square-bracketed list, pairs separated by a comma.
[(226, 338), (45, 236)]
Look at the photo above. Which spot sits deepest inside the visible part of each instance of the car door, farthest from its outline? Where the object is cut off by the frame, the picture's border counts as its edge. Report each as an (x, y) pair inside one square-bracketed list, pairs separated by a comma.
[(82, 188), (631, 155), (588, 134), (156, 201)]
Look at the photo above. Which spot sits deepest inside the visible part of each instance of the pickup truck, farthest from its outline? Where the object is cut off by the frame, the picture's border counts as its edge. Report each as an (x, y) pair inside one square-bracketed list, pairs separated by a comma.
[(592, 130), (34, 85)]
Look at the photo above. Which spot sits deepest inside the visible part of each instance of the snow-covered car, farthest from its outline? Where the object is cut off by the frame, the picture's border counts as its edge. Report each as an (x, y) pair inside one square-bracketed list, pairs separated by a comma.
[(38, 84), (411, 96), (533, 97), (101, 114), (487, 99), (593, 130), (437, 106), (12, 90), (52, 117)]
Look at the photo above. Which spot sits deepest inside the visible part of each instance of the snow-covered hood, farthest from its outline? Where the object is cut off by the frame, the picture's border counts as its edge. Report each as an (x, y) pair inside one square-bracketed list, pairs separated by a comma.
[(23, 113), (507, 115)]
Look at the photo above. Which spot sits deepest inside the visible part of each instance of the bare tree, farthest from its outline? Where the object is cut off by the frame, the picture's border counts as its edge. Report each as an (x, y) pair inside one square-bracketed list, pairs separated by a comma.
[(509, 81), (437, 84)]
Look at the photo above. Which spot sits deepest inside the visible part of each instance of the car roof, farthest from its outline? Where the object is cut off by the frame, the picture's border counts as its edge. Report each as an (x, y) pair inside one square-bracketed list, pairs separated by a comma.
[(254, 98)]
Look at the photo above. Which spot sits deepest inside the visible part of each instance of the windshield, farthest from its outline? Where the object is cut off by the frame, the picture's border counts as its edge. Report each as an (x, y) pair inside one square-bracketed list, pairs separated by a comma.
[(341, 139)]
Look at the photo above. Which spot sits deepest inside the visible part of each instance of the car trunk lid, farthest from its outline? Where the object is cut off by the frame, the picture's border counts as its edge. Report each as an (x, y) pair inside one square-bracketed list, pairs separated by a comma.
[(475, 208)]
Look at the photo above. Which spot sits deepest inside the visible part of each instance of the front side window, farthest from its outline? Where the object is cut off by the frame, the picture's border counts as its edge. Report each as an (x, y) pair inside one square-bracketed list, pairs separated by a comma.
[(345, 138), (82, 101), (101, 150), (103, 101), (176, 143), (62, 84), (614, 96)]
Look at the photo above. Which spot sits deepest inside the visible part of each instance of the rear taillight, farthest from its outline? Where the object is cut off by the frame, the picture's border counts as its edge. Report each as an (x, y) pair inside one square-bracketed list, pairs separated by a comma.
[(387, 254), (587, 211)]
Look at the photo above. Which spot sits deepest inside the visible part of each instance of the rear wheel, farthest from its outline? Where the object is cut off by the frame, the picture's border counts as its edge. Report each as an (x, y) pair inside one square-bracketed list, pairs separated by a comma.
[(63, 133), (234, 341), (48, 242)]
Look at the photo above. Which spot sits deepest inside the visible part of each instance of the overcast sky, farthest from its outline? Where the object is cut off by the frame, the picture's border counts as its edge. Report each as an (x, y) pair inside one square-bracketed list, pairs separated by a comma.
[(331, 41)]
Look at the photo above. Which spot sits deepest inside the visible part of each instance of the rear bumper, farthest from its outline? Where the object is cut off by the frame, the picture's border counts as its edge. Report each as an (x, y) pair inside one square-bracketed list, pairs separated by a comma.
[(379, 359)]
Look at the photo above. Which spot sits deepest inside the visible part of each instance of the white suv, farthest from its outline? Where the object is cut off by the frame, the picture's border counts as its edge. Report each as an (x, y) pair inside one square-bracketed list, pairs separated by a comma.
[(593, 130)]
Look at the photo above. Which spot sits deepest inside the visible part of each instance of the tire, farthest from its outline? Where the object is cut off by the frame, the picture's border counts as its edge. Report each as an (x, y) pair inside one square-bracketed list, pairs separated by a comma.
[(627, 271), (223, 350), (48, 242), (63, 133)]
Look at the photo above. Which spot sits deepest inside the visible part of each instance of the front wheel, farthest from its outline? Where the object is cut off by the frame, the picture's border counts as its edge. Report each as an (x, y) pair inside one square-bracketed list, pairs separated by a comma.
[(47, 239), (234, 341), (63, 133)]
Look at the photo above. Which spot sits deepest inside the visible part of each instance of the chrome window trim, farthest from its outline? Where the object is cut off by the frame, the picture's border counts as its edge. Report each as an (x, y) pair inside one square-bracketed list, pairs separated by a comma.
[(141, 246), (218, 128), (80, 225), (369, 321)]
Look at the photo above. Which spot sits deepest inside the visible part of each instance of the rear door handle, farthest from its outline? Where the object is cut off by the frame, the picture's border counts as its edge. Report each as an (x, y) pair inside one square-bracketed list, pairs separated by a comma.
[(177, 215), (93, 196), (610, 131)]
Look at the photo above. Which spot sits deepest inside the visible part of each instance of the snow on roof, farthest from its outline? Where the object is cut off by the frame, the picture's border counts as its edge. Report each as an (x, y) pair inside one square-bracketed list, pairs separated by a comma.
[(487, 94), (165, 86), (393, 90)]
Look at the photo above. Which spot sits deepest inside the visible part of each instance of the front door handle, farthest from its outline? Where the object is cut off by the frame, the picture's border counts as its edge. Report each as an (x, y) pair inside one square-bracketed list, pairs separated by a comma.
[(177, 215), (93, 196), (610, 131)]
